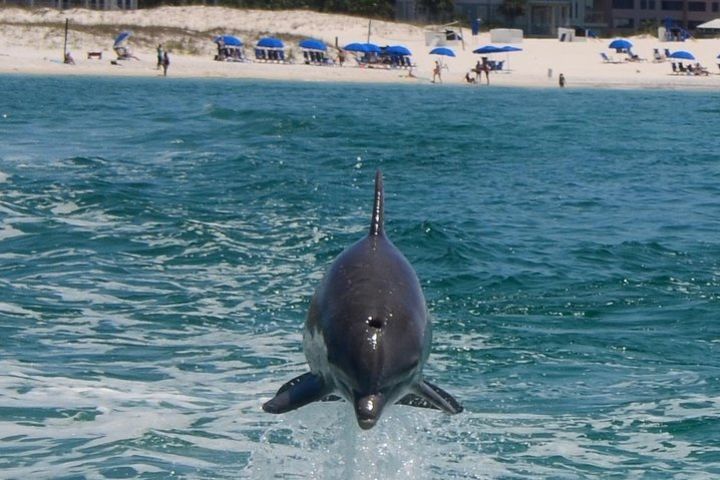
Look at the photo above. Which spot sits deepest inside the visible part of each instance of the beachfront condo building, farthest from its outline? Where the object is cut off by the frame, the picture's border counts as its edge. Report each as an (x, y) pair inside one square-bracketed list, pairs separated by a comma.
[(544, 17)]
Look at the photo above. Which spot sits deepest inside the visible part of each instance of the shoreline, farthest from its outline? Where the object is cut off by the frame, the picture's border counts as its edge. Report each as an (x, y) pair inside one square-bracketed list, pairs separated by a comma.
[(31, 43)]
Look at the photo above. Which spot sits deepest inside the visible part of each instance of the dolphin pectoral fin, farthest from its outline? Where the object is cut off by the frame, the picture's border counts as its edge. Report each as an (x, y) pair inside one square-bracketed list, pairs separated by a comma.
[(428, 395), (296, 393)]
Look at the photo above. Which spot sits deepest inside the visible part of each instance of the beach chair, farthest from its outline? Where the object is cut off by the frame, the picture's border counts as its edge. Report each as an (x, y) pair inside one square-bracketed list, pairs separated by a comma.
[(607, 59), (499, 65), (675, 69), (682, 68)]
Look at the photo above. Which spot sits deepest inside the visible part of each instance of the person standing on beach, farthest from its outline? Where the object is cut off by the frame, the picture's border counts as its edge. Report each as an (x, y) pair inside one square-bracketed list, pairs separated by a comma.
[(436, 72), (561, 80), (165, 63), (159, 56), (486, 69)]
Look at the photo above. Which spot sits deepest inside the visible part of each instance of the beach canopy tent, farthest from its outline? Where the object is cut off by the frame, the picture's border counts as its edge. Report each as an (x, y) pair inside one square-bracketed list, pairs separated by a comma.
[(270, 49), (487, 49), (229, 48), (397, 50), (396, 56), (444, 51), (620, 45), (362, 48), (228, 40), (312, 44), (490, 49), (120, 45), (711, 25), (270, 42), (682, 55), (365, 53), (314, 51)]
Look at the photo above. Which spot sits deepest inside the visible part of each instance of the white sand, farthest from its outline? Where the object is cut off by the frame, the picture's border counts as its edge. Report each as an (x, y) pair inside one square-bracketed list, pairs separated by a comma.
[(31, 42)]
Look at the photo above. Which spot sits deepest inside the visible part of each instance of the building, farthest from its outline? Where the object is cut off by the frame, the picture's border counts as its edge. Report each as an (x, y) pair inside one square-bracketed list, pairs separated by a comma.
[(607, 17), (633, 15)]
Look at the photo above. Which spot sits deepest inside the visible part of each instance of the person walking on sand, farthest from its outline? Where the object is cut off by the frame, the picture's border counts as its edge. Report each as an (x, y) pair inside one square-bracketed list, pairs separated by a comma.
[(561, 80), (165, 63), (436, 72), (159, 56)]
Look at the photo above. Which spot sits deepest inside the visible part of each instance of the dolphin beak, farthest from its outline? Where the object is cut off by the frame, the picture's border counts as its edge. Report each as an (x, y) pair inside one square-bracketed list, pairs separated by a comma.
[(368, 410)]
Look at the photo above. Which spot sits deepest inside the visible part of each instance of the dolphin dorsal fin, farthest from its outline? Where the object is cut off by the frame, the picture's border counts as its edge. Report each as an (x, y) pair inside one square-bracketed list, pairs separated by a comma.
[(377, 220)]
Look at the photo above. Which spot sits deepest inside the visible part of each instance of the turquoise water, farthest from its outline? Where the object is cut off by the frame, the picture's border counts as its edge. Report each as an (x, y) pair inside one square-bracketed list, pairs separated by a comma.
[(160, 240)]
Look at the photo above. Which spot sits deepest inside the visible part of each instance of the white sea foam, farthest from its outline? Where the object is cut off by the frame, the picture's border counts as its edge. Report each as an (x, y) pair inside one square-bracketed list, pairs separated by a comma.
[(8, 231)]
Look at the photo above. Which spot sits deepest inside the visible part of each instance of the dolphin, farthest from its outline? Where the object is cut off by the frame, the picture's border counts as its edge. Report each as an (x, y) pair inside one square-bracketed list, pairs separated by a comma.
[(367, 334)]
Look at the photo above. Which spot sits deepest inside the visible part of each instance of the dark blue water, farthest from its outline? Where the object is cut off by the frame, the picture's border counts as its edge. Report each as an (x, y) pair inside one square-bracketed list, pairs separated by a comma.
[(160, 240)]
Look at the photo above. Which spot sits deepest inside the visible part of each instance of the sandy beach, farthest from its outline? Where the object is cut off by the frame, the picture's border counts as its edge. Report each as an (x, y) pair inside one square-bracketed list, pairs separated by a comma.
[(31, 42)]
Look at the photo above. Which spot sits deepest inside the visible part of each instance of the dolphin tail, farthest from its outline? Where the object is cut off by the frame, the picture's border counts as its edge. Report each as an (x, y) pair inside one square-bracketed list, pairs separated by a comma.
[(376, 223), (427, 395), (296, 393)]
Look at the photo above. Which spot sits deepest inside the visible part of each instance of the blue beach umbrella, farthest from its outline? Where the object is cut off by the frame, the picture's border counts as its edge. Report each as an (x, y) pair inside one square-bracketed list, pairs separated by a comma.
[(447, 52), (270, 42), (228, 40), (510, 48), (121, 38), (488, 49), (682, 55), (398, 50), (312, 44), (620, 44)]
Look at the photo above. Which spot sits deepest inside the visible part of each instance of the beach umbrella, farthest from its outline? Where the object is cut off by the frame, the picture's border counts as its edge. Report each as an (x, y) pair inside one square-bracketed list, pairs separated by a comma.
[(121, 38), (682, 55), (510, 48), (620, 44), (488, 49), (312, 44), (228, 40), (270, 42), (398, 50), (447, 52)]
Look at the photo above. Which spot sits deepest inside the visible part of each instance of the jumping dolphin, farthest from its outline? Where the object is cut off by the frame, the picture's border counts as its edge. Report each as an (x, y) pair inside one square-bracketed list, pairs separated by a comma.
[(367, 333)]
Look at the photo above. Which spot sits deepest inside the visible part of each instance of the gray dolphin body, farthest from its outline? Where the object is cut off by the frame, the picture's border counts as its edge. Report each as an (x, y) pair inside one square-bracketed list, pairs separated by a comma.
[(367, 334)]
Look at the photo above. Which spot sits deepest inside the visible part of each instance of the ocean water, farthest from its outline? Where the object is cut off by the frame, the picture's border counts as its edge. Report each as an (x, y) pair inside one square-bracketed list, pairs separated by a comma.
[(160, 240)]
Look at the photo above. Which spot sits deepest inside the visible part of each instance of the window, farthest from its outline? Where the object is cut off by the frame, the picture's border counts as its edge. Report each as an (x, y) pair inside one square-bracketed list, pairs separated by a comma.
[(671, 5), (696, 6), (715, 6), (624, 4)]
